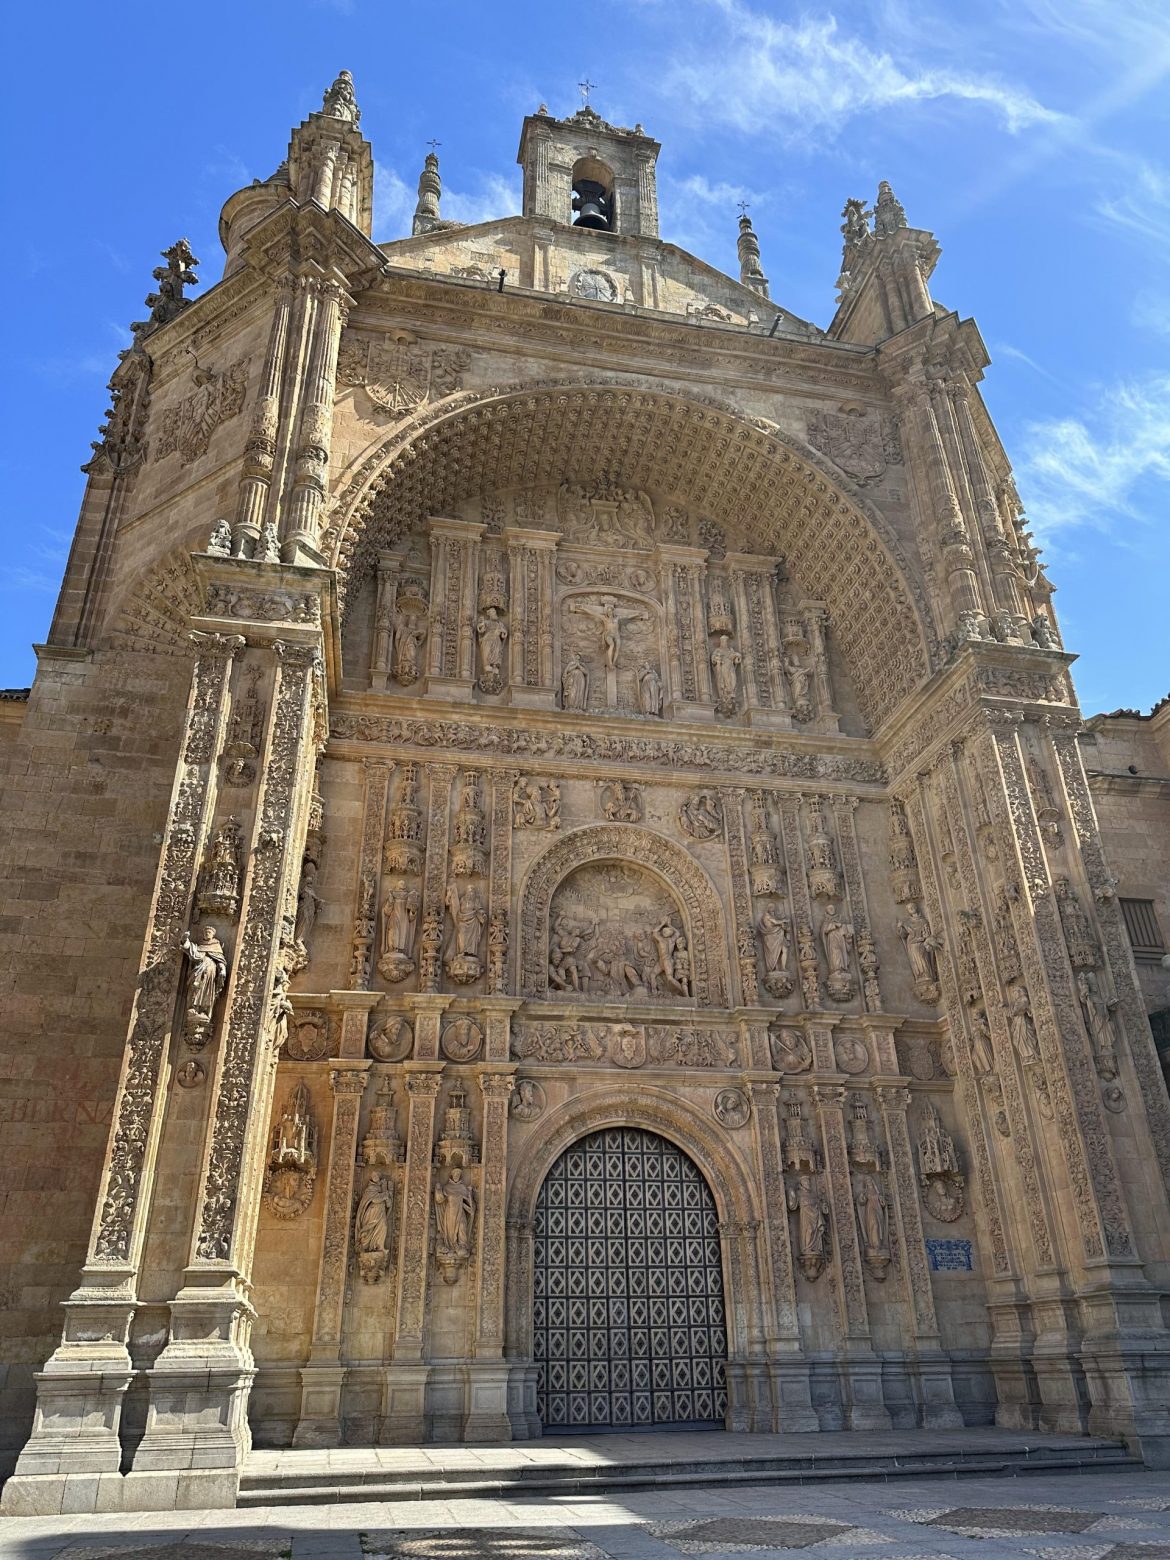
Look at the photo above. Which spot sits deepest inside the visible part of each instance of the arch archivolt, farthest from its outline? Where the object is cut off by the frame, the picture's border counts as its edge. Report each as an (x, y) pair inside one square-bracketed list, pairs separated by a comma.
[(772, 495), (655, 1110), (623, 844)]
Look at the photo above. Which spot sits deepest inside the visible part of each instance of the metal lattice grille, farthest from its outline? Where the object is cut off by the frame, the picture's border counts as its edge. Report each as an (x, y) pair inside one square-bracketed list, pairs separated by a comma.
[(628, 1318)]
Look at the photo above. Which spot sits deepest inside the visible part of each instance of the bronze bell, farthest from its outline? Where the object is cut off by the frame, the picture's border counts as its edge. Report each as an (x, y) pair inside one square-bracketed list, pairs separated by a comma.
[(591, 200)]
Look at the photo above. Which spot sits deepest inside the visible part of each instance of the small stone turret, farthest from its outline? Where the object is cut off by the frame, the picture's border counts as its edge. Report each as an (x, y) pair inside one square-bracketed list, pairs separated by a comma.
[(427, 216), (330, 162), (751, 272), (885, 269)]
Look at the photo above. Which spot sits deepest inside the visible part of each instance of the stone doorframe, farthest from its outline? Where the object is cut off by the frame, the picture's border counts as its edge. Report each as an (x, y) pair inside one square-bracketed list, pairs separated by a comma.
[(728, 1177), (680, 874)]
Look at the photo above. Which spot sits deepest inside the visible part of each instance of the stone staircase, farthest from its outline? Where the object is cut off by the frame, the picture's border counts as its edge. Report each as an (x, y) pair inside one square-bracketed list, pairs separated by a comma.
[(598, 1463)]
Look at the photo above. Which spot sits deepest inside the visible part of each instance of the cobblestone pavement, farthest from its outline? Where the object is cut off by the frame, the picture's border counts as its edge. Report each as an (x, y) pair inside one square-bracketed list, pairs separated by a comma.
[(1095, 1516)]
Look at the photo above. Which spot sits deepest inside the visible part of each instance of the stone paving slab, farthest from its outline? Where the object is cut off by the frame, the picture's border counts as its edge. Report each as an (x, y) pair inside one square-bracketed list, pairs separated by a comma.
[(1125, 1516)]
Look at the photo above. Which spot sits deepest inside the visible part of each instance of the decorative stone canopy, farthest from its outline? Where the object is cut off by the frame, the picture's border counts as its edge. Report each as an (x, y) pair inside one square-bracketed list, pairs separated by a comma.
[(771, 496)]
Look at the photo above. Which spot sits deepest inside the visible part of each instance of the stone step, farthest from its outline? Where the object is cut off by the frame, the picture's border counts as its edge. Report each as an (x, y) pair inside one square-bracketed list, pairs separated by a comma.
[(358, 1478)]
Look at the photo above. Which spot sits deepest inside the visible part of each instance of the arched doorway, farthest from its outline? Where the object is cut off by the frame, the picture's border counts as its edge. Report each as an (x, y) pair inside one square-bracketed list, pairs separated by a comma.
[(629, 1325)]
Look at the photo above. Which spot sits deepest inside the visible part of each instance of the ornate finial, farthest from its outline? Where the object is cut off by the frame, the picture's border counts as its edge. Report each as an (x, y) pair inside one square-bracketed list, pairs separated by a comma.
[(168, 301), (857, 235), (751, 271), (434, 146), (888, 214), (340, 102), (430, 192), (585, 88)]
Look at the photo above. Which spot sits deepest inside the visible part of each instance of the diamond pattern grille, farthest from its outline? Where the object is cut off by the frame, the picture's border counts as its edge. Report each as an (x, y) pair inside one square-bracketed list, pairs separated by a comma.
[(628, 1316)]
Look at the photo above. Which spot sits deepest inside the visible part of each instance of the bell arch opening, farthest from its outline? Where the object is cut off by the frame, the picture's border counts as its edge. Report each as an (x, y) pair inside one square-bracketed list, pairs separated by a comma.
[(628, 1312)]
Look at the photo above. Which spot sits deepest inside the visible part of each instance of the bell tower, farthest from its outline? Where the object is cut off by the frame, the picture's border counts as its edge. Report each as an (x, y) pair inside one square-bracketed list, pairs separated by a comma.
[(586, 173)]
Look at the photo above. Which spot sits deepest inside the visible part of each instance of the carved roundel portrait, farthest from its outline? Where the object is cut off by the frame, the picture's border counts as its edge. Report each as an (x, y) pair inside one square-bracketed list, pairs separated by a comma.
[(598, 286)]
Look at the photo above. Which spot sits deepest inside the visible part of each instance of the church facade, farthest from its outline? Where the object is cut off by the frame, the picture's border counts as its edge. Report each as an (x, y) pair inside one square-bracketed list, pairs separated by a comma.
[(558, 869)]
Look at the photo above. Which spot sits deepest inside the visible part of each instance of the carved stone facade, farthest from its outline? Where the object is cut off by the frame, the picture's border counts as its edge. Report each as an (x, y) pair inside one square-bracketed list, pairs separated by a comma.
[(534, 763)]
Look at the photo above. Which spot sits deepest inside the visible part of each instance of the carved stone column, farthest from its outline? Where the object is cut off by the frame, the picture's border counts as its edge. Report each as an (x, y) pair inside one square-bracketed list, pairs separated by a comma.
[(499, 934), (861, 1368), (80, 1390), (765, 696), (404, 1391), (302, 525), (381, 639), (531, 565), (454, 580), (741, 894), (260, 450), (931, 1365), (802, 915), (522, 1371), (816, 618), (365, 911), (689, 671), (435, 877), (792, 1408), (487, 1416), (324, 1375), (199, 1384)]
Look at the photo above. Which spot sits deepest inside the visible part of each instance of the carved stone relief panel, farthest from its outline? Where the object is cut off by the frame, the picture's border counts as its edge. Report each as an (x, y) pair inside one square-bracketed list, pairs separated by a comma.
[(610, 652), (616, 933)]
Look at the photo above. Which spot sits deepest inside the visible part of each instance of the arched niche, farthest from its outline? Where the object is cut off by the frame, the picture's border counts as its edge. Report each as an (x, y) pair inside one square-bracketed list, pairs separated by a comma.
[(676, 878), (754, 482)]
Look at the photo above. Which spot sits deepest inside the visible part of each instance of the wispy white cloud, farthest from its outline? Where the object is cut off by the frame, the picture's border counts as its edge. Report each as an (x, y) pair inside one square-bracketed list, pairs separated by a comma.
[(1097, 469), (1151, 311), (1136, 199), (811, 77), (1004, 349), (395, 200)]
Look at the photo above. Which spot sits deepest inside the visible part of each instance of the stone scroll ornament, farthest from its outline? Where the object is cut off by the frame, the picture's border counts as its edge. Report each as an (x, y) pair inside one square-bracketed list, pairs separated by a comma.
[(291, 1174)]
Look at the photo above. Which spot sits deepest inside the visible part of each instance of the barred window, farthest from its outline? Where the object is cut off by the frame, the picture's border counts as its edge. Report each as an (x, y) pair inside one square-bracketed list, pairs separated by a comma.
[(1141, 923)]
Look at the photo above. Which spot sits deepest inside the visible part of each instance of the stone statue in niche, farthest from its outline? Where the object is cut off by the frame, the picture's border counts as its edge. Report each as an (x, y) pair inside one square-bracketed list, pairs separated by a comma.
[(383, 637), (922, 947), (943, 1182), (280, 1008), (873, 1223), (206, 979), (409, 634), (837, 940), (468, 913), (791, 1052), (391, 1039), (982, 1052), (807, 1202), (1098, 1010), (615, 936), (649, 690), (491, 632), (775, 943), (1021, 1025), (308, 903), (245, 731), (372, 1227), (799, 687), (454, 1224), (399, 919), (725, 664), (292, 1163), (701, 815), (220, 888), (575, 684)]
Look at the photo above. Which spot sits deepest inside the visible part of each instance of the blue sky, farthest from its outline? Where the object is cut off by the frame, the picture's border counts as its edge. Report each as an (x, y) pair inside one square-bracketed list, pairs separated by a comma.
[(1032, 136)]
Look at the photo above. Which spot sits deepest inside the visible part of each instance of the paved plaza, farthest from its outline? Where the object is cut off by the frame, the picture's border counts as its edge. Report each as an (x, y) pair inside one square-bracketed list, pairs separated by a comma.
[(1107, 1515)]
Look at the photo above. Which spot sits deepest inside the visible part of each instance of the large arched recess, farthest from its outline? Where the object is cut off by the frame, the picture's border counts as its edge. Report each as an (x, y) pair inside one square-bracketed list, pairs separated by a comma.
[(770, 494)]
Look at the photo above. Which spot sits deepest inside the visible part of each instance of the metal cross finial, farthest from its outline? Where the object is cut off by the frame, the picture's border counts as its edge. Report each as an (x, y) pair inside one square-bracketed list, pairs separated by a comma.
[(434, 145), (585, 88), (743, 208)]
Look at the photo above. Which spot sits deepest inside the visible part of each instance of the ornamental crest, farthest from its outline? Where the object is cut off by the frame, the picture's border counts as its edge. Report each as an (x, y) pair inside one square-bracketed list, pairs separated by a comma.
[(862, 443), (186, 429), (401, 374)]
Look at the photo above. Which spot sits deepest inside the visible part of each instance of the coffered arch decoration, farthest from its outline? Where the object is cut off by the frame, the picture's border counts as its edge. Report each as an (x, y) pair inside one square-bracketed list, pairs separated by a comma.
[(657, 1110), (627, 845), (769, 493)]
